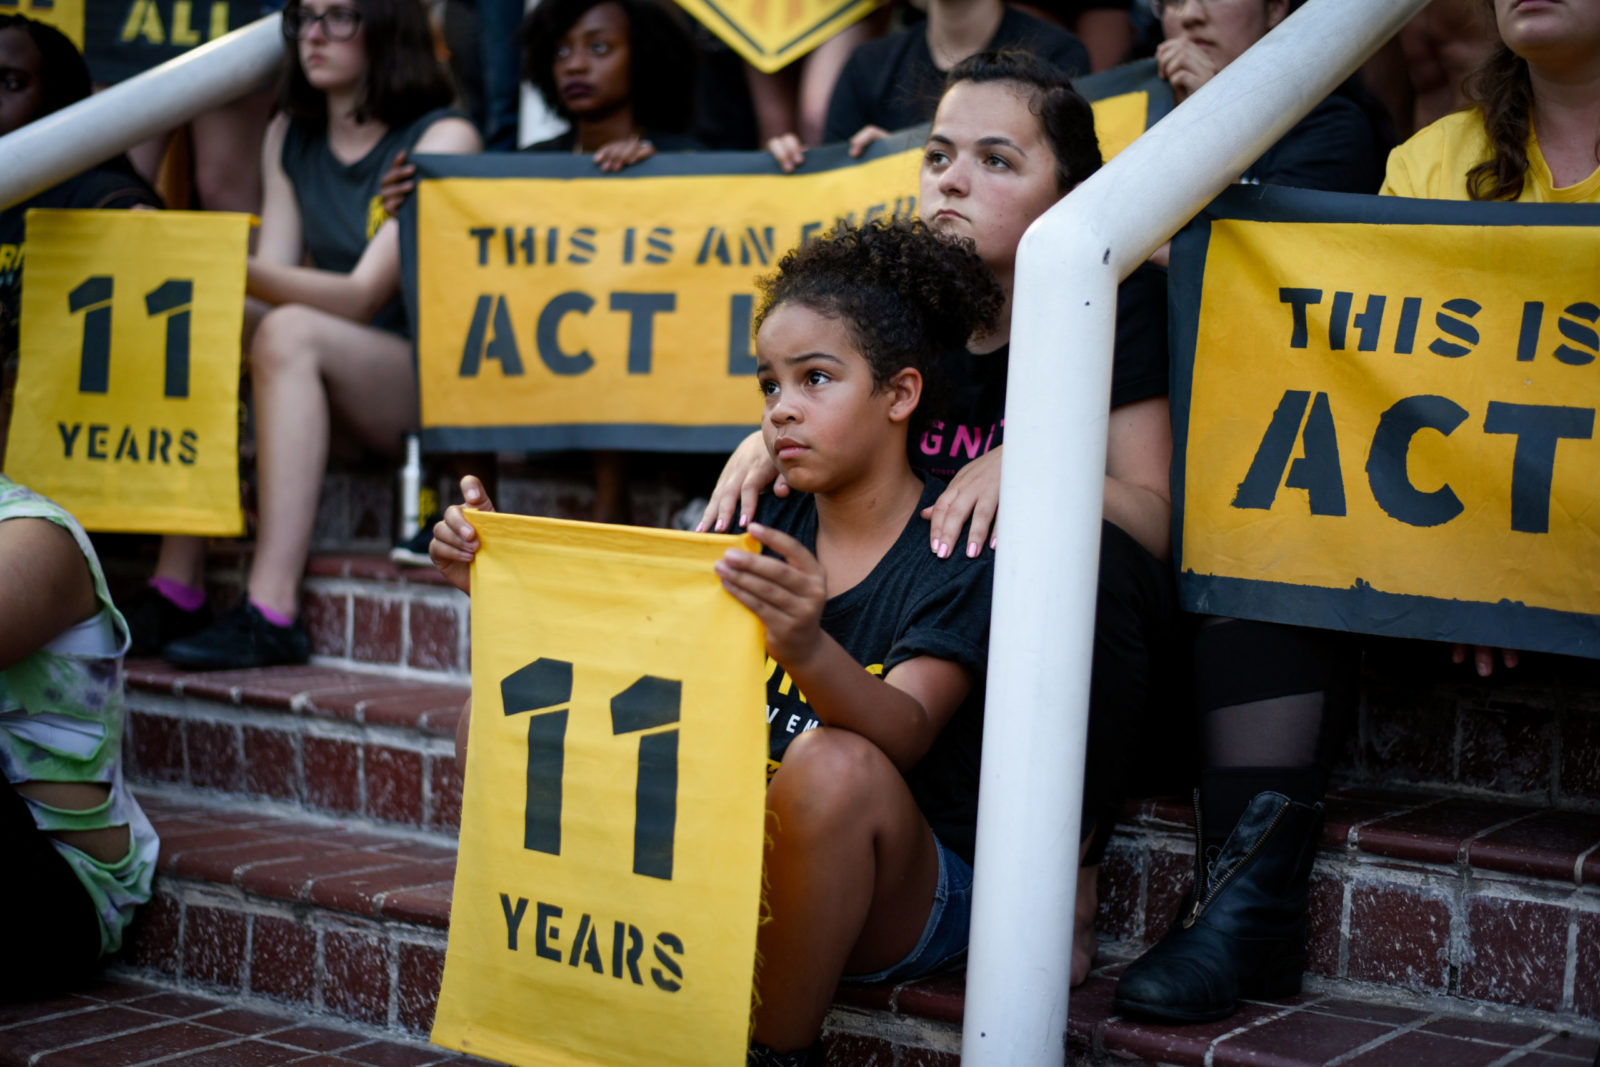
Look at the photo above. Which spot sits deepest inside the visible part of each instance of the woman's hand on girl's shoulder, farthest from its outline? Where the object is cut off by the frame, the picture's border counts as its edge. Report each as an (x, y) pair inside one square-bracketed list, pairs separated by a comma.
[(748, 471), (455, 541), (973, 495)]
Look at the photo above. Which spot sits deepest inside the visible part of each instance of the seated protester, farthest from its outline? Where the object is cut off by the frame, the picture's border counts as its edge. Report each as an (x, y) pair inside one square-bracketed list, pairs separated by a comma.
[(895, 81), (79, 854), (873, 785), (1340, 146), (359, 84), (41, 72)]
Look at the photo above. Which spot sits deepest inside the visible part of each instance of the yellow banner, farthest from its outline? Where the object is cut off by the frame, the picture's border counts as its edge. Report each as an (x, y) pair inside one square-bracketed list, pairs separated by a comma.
[(770, 35), (1390, 423), (127, 402), (1127, 100), (64, 15), (608, 883)]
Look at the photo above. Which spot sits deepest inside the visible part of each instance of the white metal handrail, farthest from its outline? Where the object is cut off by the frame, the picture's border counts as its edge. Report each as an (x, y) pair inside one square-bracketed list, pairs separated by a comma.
[(1042, 634), (91, 131)]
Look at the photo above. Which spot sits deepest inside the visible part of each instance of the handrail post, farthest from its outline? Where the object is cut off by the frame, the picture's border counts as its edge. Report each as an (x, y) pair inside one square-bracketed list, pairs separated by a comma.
[(1042, 634), (72, 140)]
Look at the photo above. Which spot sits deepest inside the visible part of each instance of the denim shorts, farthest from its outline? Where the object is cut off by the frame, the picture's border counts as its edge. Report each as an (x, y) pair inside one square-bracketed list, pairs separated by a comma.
[(944, 937)]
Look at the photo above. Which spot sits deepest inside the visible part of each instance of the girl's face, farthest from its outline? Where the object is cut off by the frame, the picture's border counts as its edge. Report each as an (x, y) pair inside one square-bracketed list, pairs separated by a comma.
[(333, 45), (987, 171), (21, 92), (1548, 33), (594, 63), (826, 421), (1222, 29)]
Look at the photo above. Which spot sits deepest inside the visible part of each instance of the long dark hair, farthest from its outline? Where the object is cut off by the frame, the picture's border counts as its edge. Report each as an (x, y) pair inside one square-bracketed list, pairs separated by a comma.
[(1503, 91), (662, 76), (404, 79), (1064, 115), (62, 70)]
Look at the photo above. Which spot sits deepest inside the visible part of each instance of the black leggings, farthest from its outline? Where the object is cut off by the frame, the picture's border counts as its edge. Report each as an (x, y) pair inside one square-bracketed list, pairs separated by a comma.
[(53, 936), (1135, 613)]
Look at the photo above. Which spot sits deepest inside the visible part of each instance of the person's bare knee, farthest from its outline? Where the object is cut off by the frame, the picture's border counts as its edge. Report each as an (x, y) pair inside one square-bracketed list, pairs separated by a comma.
[(285, 342), (831, 784)]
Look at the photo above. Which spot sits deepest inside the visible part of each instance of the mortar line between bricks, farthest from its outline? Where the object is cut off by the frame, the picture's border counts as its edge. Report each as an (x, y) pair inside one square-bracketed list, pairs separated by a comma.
[(1209, 1059), (1569, 981), (296, 720), (1463, 853), (1577, 867), (1383, 1039), (160, 1021)]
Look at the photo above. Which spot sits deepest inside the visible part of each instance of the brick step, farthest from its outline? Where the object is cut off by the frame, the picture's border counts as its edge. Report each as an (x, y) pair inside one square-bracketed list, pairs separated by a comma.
[(350, 921), (129, 1021)]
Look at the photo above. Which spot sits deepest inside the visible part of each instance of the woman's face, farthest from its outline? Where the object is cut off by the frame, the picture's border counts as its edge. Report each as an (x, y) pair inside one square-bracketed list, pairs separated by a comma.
[(21, 92), (987, 171), (333, 47), (594, 63), (1551, 33), (1222, 29)]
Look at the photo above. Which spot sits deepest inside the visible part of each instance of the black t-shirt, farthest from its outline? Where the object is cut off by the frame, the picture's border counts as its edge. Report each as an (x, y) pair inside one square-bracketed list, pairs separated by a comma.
[(912, 604), (113, 184), (892, 82), (1339, 148), (971, 419)]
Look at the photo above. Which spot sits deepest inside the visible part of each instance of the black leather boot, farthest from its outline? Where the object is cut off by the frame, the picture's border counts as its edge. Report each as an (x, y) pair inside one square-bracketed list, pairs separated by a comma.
[(1242, 932)]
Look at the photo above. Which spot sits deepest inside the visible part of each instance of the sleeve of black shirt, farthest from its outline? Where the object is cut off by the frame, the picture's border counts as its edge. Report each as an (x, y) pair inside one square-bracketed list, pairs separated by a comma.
[(949, 618), (1332, 149), (1139, 368)]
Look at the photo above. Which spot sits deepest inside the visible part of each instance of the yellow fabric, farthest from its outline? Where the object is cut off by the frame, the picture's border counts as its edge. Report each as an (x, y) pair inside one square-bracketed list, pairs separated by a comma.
[(64, 15), (127, 402), (1119, 120), (771, 35), (1433, 165), (1308, 321), (582, 931)]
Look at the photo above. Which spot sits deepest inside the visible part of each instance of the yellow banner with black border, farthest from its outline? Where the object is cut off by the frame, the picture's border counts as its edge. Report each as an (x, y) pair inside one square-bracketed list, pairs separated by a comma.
[(65, 15), (608, 885), (770, 35), (1385, 416), (127, 397)]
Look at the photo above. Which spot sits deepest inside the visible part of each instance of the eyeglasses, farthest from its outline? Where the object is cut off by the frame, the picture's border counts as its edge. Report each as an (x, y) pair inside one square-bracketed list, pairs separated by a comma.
[(1165, 7), (338, 23)]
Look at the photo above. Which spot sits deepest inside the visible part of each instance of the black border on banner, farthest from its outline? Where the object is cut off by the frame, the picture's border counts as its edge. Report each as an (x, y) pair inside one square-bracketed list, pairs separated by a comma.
[(1139, 76), (1360, 608), (644, 437)]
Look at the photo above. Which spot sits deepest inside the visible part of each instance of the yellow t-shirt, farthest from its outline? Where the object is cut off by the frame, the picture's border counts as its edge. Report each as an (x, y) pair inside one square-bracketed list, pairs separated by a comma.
[(1433, 165)]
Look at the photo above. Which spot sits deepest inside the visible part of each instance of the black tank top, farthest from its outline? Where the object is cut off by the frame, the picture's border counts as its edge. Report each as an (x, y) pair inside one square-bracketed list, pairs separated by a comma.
[(340, 208)]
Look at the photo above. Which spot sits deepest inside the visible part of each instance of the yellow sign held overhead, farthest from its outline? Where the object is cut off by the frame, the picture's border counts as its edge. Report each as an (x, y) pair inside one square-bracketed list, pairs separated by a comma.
[(608, 884), (127, 401), (64, 15), (771, 34)]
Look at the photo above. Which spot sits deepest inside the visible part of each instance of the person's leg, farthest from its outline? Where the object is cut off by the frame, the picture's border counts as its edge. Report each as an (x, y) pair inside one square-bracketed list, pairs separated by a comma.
[(57, 939), (227, 153), (851, 868)]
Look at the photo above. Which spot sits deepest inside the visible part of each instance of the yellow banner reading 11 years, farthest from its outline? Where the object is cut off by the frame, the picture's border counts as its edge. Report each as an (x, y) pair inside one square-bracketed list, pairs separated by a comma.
[(127, 403), (1385, 413)]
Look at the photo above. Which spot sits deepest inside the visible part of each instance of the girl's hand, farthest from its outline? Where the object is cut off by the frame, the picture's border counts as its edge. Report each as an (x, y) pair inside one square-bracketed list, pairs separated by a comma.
[(1483, 657), (786, 594), (788, 151), (748, 471), (1184, 64), (455, 542), (974, 493), (624, 153), (397, 183)]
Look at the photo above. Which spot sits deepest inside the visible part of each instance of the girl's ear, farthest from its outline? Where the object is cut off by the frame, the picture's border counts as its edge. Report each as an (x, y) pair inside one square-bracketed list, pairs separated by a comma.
[(1277, 11), (905, 392)]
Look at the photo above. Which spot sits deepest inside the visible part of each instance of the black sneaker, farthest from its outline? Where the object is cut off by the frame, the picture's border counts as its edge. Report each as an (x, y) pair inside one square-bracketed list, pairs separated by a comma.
[(241, 638), (155, 622), (413, 552)]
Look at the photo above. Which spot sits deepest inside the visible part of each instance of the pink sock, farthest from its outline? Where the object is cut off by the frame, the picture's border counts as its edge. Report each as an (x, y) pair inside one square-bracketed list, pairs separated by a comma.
[(186, 597), (276, 618)]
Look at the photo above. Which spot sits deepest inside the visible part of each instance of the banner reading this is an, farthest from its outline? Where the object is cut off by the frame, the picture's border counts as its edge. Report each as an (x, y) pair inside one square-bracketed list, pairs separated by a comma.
[(608, 881), (1385, 412), (127, 398)]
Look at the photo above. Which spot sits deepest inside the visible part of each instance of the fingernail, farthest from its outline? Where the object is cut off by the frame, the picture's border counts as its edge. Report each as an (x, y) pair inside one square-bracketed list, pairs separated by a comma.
[(972, 550), (944, 550), (993, 541), (722, 524), (1483, 670), (744, 520)]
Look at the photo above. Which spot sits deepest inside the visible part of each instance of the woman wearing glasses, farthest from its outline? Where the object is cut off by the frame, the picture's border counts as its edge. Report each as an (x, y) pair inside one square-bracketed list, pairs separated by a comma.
[(360, 84)]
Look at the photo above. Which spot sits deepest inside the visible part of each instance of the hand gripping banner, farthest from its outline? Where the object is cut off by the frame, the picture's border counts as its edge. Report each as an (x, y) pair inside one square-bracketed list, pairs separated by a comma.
[(608, 884), (770, 35), (127, 402), (1385, 416)]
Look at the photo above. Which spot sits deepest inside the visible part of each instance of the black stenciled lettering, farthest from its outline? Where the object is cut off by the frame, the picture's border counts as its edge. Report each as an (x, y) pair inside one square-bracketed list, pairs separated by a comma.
[(1455, 324), (1538, 428), (97, 440), (674, 983), (68, 436), (1298, 300), (93, 298), (1585, 342), (1369, 322), (649, 704), (659, 243), (1387, 472), (1338, 319), (188, 447), (741, 314), (635, 950), (642, 309), (1528, 336), (491, 312), (876, 211), (529, 244), (1317, 471), (763, 245), (546, 933), (809, 232), (544, 683), (513, 918), (714, 246), (547, 333), (586, 946), (627, 246), (173, 298), (166, 443), (483, 235), (1405, 341), (583, 247), (127, 446)]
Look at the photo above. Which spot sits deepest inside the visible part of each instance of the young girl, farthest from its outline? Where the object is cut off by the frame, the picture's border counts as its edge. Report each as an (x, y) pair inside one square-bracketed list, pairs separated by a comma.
[(1010, 138), (360, 84)]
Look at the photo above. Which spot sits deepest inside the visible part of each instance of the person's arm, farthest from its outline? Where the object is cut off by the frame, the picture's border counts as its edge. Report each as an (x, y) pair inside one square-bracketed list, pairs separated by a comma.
[(1107, 33), (372, 283), (748, 471), (455, 541), (278, 239), (902, 712), (45, 587), (1138, 488)]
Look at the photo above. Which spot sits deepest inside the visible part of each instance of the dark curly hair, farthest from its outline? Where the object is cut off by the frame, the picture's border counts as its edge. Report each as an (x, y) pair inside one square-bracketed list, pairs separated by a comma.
[(662, 76), (61, 66), (907, 297), (1503, 92), (404, 78), (1064, 115)]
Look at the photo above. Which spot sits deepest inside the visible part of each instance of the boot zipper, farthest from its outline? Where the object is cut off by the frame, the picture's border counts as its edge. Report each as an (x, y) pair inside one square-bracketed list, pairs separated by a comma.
[(1201, 904)]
